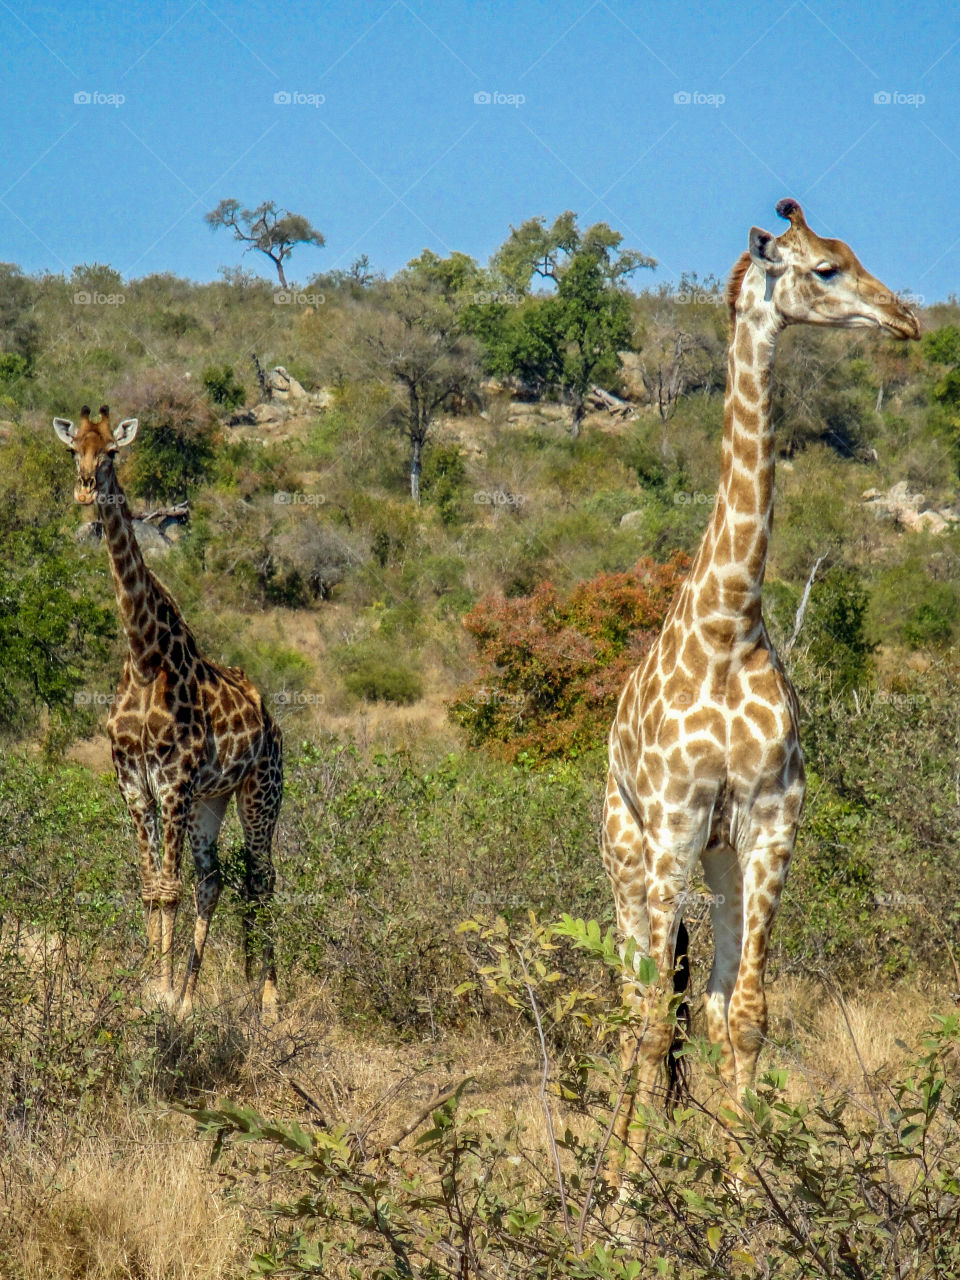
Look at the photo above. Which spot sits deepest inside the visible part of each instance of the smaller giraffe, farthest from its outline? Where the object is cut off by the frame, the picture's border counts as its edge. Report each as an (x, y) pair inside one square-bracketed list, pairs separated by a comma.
[(186, 735)]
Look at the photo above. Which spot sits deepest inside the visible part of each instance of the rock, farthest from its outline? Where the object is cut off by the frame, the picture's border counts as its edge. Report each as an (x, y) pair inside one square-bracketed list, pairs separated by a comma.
[(242, 418), (630, 518), (173, 529), (908, 509), (267, 415), (323, 398), (89, 532), (150, 539), (631, 377), (283, 386)]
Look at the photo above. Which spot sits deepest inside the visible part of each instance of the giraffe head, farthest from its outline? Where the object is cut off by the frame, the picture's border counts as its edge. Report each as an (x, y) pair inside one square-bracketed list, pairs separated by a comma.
[(802, 278), (93, 445)]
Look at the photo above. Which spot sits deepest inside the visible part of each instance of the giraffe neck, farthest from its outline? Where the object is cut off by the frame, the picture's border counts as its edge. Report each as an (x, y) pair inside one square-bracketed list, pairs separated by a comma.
[(144, 605), (727, 575)]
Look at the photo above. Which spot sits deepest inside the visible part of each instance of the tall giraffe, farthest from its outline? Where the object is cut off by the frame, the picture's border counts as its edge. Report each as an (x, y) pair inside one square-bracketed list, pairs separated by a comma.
[(186, 734), (704, 755)]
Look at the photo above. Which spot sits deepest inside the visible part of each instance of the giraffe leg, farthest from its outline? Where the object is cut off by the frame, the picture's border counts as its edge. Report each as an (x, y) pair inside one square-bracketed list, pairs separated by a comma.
[(665, 889), (721, 871), (621, 842), (143, 812), (175, 808), (206, 819), (258, 804), (763, 880)]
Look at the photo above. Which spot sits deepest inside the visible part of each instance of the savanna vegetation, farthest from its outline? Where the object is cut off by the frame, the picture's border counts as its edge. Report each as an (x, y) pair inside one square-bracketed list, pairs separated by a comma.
[(438, 566)]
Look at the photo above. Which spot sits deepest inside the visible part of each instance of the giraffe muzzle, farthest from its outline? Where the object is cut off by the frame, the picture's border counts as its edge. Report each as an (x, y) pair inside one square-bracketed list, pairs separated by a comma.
[(85, 492)]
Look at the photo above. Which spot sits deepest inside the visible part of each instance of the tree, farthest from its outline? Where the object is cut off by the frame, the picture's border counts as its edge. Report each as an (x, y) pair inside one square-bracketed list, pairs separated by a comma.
[(267, 229), (18, 326), (569, 338), (411, 337), (533, 248)]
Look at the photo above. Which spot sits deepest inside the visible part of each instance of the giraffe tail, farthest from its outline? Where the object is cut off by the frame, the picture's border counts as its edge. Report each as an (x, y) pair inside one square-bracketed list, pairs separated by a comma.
[(676, 1062)]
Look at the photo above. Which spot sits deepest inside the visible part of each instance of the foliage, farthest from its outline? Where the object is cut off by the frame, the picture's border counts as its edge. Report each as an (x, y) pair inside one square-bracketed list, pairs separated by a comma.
[(443, 481), (52, 637), (809, 1185), (376, 674), (174, 451), (552, 667), (268, 229), (571, 338), (222, 387)]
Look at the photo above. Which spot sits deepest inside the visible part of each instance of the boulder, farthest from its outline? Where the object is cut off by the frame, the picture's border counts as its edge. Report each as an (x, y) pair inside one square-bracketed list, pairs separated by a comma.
[(631, 518), (150, 539), (267, 415), (283, 386)]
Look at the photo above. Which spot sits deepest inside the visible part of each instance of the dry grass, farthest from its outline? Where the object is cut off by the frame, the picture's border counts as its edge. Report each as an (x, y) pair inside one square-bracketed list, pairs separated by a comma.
[(136, 1200), (129, 1194)]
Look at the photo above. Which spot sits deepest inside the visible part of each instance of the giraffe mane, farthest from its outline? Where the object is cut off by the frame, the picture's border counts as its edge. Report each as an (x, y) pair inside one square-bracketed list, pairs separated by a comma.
[(740, 269)]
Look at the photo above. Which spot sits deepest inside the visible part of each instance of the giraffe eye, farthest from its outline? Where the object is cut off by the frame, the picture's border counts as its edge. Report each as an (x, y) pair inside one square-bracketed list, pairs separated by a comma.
[(825, 271)]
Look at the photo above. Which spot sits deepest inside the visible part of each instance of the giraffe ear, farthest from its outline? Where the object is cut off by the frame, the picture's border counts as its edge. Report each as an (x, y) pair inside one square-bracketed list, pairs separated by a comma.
[(124, 432), (764, 252), (65, 430)]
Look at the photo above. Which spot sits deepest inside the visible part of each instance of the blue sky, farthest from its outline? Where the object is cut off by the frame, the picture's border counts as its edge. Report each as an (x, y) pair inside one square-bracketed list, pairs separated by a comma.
[(399, 155)]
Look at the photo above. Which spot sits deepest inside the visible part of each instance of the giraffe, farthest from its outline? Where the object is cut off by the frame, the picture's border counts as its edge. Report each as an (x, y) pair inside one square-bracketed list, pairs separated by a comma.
[(704, 754), (186, 734)]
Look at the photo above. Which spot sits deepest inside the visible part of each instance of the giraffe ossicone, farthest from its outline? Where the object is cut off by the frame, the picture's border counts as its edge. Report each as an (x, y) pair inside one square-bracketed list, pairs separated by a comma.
[(186, 734), (704, 753)]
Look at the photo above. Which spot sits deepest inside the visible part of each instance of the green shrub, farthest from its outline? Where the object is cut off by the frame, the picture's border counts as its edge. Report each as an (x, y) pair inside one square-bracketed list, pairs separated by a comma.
[(443, 481), (174, 450), (222, 387), (374, 676)]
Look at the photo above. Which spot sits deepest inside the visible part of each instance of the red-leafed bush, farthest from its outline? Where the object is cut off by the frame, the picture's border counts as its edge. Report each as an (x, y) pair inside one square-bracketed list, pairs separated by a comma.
[(552, 666)]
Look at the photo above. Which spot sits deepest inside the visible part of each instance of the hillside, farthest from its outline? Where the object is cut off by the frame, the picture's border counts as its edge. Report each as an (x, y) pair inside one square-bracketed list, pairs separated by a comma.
[(305, 560)]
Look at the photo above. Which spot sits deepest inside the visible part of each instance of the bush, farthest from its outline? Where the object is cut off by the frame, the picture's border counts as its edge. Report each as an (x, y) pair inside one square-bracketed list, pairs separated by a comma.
[(552, 667), (52, 638), (222, 387), (174, 450), (443, 481), (375, 675), (795, 1187)]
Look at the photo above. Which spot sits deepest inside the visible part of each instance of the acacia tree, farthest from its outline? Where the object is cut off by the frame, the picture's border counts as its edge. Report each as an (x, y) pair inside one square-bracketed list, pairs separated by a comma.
[(569, 338), (268, 229), (412, 338)]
